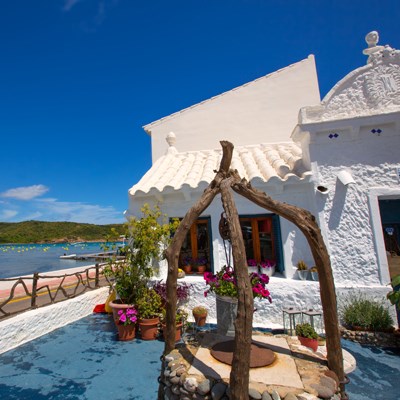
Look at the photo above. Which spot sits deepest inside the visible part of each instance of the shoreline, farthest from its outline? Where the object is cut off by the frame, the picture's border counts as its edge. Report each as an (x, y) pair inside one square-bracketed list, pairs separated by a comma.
[(56, 241)]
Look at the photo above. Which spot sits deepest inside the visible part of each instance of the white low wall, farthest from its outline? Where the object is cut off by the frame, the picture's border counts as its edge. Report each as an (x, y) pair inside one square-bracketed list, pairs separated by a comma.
[(285, 293), (34, 323)]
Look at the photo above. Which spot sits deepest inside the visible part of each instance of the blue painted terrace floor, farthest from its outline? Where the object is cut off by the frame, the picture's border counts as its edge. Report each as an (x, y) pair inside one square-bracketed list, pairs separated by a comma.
[(84, 361)]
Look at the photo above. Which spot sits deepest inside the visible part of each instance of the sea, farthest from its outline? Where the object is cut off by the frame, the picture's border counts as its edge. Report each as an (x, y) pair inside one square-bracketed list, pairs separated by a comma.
[(25, 259)]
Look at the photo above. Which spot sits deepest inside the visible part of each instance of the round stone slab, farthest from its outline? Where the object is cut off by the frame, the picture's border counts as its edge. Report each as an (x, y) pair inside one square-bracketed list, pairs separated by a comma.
[(259, 355)]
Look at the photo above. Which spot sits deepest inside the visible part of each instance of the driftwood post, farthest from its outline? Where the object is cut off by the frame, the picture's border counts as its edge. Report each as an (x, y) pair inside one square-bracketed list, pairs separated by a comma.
[(223, 181), (239, 377), (305, 221)]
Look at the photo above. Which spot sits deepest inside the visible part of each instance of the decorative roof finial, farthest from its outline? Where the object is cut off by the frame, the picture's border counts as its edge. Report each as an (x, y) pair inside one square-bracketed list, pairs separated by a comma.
[(171, 139), (372, 40)]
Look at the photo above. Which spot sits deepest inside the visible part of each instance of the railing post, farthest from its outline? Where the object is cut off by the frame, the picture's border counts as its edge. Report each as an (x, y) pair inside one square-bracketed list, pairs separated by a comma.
[(96, 279), (34, 289)]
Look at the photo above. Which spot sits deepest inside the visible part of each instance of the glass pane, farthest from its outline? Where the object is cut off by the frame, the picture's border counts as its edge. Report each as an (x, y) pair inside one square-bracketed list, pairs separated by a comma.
[(247, 238), (202, 242), (186, 250), (264, 232)]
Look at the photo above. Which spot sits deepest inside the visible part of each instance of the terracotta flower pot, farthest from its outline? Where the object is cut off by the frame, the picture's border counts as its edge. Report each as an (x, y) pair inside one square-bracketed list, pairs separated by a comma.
[(201, 269), (116, 306), (187, 269), (311, 343), (178, 331), (126, 332), (149, 328), (200, 319)]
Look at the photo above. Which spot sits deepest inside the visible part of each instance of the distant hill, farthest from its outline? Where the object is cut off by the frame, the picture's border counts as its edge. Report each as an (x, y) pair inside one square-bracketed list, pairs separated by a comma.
[(48, 232)]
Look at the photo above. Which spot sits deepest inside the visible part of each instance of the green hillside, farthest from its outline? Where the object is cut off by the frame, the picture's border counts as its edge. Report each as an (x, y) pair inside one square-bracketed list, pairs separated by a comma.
[(39, 231)]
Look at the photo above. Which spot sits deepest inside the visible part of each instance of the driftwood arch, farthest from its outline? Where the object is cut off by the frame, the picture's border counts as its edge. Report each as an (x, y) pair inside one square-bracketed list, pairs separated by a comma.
[(225, 180)]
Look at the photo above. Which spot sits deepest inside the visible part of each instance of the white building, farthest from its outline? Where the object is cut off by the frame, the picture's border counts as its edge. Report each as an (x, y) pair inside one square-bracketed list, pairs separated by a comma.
[(338, 158)]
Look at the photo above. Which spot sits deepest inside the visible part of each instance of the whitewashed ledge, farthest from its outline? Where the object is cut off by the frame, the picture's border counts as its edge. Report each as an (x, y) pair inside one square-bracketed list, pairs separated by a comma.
[(284, 292), (35, 323)]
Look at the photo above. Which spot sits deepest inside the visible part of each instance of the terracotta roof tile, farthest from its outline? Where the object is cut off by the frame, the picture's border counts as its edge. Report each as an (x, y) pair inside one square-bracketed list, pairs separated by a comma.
[(262, 163)]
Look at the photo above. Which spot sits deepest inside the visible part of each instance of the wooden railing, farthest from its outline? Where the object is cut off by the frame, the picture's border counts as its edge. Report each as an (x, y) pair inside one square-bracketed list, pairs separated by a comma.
[(38, 290)]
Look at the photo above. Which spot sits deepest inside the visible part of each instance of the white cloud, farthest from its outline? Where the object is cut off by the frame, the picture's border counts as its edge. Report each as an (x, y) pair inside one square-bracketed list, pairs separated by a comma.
[(25, 192), (53, 210), (35, 215), (8, 214), (93, 15), (69, 4)]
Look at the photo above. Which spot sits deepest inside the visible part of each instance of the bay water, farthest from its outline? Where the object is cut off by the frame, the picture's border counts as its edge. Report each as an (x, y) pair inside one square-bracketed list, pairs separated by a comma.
[(25, 259)]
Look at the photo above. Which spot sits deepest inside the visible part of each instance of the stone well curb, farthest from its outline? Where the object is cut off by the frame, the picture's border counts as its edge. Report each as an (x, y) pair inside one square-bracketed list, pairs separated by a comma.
[(318, 381)]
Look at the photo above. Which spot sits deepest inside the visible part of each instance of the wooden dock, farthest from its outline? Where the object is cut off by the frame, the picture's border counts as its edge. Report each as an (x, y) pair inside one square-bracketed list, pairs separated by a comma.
[(93, 256)]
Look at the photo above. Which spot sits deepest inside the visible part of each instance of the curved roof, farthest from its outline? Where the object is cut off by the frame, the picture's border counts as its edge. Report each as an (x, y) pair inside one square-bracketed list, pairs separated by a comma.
[(263, 163)]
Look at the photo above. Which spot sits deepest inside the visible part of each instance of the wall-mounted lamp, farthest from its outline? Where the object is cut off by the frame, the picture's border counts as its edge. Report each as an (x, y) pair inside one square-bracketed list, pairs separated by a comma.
[(346, 178), (322, 189)]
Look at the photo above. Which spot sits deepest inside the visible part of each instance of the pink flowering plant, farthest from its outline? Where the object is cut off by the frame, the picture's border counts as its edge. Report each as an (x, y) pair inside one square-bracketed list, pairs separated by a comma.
[(224, 283), (251, 262), (127, 316), (267, 264)]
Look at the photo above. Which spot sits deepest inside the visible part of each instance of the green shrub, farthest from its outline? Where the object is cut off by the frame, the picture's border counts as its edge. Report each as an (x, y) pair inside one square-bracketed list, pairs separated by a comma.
[(306, 331), (369, 314), (394, 295), (150, 305)]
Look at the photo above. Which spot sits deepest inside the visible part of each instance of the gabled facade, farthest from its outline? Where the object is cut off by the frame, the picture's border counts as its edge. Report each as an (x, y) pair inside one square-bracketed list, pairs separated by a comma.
[(262, 111), (354, 134), (341, 163)]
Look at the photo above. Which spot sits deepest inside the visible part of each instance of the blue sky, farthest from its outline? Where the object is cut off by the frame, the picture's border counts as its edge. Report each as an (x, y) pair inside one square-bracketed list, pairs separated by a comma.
[(79, 79)]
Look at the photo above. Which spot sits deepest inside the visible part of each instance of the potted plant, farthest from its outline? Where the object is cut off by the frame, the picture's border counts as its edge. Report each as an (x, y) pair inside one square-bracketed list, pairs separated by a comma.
[(267, 267), (200, 264), (302, 270), (200, 315), (180, 318), (307, 336), (148, 235), (182, 291), (149, 309), (252, 265), (187, 266), (224, 285), (314, 273), (126, 323)]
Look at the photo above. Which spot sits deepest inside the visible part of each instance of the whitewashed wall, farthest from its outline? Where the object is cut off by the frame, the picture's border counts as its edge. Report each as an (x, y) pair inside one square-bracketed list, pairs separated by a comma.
[(303, 295), (295, 246), (35, 323), (261, 111), (372, 160)]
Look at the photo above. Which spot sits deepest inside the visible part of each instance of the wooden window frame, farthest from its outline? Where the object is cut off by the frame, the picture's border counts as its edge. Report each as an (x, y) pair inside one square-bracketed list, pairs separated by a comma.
[(256, 234)]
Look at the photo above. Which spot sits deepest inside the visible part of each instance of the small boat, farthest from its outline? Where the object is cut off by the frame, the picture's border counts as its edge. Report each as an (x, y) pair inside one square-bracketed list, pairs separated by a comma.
[(76, 243), (68, 257)]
